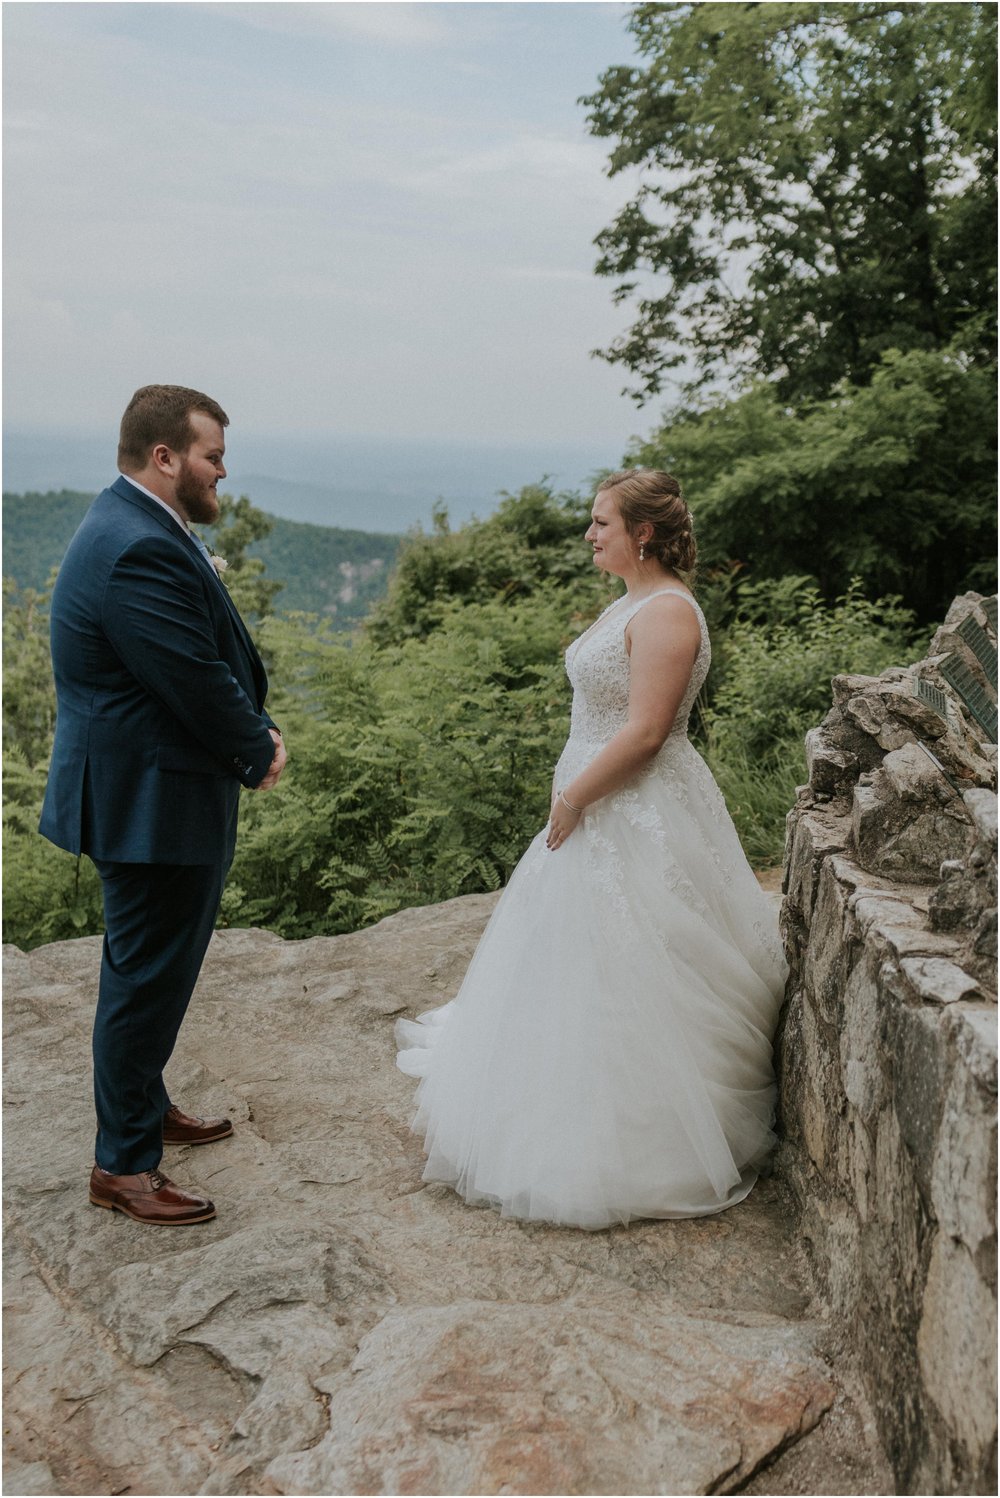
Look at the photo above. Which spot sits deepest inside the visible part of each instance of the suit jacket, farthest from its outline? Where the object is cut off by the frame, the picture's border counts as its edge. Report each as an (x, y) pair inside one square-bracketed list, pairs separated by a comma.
[(159, 692)]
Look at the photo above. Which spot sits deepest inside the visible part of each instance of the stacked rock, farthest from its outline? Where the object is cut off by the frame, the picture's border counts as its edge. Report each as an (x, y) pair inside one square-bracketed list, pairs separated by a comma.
[(887, 1050), (965, 901)]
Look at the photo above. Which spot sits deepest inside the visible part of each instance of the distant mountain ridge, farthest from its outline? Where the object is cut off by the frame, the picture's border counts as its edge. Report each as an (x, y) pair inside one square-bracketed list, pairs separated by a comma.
[(317, 504), (325, 569), (373, 483)]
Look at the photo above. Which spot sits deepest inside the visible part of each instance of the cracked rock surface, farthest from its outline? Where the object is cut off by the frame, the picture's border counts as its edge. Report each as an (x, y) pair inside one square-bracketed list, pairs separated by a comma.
[(342, 1327)]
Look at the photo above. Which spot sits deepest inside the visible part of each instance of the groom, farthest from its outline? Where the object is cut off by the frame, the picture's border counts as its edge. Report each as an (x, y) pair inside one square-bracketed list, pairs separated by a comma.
[(160, 720)]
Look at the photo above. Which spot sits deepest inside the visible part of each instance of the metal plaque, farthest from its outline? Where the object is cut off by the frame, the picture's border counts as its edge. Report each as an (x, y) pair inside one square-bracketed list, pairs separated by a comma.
[(957, 674), (979, 642), (933, 696)]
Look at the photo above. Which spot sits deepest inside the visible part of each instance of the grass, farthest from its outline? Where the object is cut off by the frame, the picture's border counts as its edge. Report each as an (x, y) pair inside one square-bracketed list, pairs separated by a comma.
[(759, 794)]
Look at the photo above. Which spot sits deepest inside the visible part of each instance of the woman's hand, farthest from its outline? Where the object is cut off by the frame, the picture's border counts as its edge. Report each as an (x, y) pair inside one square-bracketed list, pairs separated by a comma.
[(563, 819)]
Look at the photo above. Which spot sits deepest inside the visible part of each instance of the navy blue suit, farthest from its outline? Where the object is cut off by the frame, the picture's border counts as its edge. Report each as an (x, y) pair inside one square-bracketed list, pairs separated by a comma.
[(160, 719)]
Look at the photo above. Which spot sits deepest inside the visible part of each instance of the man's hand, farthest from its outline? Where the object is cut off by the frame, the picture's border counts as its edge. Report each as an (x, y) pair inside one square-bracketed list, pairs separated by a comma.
[(277, 764)]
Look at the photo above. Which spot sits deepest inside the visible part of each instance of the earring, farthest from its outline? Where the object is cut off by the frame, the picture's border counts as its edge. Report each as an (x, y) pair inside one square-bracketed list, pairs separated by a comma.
[(642, 551)]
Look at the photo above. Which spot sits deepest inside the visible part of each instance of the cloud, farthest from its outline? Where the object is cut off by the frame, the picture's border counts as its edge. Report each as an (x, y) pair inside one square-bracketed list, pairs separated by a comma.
[(397, 25), (547, 273), (329, 224)]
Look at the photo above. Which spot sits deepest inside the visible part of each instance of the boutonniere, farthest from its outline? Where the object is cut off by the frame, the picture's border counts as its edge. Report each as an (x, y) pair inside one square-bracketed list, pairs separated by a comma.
[(219, 563)]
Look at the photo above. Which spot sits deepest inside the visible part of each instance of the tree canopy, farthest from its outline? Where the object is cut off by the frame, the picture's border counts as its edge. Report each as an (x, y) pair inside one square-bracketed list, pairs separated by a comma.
[(892, 483), (533, 542), (817, 186)]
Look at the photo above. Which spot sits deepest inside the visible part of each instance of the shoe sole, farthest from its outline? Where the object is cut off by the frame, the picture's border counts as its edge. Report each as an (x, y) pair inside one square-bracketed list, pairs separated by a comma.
[(212, 1139), (154, 1222)]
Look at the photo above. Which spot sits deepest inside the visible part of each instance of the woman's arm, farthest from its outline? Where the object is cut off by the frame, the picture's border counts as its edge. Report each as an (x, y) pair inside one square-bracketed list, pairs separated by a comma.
[(664, 638)]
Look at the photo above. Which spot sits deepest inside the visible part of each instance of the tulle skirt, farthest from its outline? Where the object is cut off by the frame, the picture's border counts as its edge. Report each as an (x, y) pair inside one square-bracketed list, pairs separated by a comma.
[(608, 1055)]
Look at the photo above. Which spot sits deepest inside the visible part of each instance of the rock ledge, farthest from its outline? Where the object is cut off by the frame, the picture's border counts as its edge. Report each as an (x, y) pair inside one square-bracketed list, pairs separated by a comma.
[(342, 1328)]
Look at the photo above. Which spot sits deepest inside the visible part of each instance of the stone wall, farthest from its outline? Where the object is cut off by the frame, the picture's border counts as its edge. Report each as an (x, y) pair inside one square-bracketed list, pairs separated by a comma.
[(887, 1052)]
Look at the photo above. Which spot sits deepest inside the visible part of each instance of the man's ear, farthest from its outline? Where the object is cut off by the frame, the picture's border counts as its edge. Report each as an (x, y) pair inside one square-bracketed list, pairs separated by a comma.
[(163, 458)]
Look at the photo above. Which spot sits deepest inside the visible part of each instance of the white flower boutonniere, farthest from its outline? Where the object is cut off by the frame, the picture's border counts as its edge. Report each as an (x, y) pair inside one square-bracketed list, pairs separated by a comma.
[(219, 563)]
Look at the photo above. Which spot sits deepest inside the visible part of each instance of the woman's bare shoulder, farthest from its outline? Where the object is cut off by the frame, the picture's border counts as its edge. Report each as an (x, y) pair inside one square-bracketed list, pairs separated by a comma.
[(676, 606), (672, 618)]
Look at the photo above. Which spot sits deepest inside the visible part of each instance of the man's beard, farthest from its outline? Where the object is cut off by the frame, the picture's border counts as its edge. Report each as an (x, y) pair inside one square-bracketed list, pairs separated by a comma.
[(196, 499)]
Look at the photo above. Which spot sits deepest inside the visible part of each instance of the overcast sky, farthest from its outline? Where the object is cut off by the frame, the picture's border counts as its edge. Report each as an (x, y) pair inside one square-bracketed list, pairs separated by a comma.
[(335, 218)]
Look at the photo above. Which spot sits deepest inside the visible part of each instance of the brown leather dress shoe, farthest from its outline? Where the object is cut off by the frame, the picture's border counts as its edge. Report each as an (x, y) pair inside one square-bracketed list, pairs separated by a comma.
[(148, 1197), (181, 1128)]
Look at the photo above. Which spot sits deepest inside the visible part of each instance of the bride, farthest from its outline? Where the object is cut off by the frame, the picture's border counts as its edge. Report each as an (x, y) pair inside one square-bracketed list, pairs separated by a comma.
[(608, 1056)]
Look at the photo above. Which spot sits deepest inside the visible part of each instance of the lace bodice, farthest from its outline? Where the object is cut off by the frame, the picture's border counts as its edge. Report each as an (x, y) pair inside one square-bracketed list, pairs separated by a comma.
[(598, 667)]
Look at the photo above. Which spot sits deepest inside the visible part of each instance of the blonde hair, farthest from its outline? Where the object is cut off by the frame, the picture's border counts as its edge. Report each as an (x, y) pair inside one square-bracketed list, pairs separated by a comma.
[(648, 496)]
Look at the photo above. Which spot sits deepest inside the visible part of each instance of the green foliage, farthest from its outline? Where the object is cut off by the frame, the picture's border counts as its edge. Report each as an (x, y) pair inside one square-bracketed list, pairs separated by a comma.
[(37, 528), (47, 894), (421, 768), (772, 680), (422, 751), (781, 652), (893, 482), (817, 186), (419, 771), (326, 570), (323, 569), (533, 541), (239, 525), (759, 792), (29, 699)]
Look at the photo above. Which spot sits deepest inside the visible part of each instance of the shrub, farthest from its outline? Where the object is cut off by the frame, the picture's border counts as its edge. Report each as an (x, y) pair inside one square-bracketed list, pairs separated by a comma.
[(775, 672), (421, 770), (776, 662), (533, 541)]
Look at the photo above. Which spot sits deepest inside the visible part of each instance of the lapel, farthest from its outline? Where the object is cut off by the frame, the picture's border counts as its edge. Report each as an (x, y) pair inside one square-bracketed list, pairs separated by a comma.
[(236, 616)]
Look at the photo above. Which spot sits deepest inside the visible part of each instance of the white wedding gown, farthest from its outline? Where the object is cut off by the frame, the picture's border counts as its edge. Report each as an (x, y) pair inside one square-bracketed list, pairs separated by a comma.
[(608, 1055)]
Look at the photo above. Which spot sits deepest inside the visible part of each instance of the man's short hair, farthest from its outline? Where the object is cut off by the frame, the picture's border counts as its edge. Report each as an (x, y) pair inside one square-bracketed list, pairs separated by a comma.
[(161, 413)]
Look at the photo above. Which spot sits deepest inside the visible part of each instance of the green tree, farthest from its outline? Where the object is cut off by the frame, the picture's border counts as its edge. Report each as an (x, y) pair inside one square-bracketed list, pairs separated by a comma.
[(893, 482), (772, 671), (534, 540), (47, 894), (781, 652), (239, 525), (29, 699), (817, 186), (37, 528), (420, 770)]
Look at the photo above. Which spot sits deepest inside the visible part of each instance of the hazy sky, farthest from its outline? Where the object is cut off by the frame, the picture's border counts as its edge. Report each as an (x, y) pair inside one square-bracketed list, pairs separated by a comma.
[(336, 218)]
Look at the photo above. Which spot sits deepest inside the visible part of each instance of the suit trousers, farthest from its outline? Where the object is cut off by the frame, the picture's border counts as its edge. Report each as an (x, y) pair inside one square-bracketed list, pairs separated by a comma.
[(158, 922)]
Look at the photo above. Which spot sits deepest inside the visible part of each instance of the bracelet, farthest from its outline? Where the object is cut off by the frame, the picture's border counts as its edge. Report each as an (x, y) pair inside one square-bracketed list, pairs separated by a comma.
[(565, 802)]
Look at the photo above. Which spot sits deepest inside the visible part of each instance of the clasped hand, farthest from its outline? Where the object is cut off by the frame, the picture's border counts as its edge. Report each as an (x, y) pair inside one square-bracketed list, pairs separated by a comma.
[(277, 763), (562, 821)]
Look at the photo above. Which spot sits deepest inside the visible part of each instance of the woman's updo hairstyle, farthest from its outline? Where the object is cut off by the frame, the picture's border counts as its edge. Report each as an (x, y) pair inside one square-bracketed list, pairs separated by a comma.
[(648, 496)]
